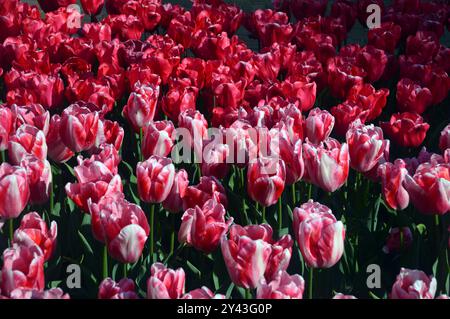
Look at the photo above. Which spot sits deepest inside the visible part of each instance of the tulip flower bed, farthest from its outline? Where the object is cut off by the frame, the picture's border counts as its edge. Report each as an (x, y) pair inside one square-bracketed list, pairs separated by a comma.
[(151, 150)]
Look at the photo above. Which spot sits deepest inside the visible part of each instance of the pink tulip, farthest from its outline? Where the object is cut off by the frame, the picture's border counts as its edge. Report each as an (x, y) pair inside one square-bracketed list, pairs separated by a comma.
[(165, 283), (27, 140), (32, 114), (215, 159), (266, 179), (196, 124), (174, 201), (209, 187), (158, 139), (6, 126), (444, 139), (57, 150), (342, 296), (246, 259), (155, 178), (319, 235), (283, 286), (318, 125), (392, 184), (124, 289), (39, 175), (26, 293), (141, 105), (122, 226), (327, 164), (14, 190), (413, 284), (203, 227), (202, 293)]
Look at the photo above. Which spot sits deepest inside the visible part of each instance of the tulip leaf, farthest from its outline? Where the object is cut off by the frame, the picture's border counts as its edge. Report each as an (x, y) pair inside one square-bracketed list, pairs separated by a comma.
[(85, 243)]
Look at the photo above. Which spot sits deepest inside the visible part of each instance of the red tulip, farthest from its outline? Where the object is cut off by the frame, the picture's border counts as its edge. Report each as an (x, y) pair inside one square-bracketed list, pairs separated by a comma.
[(195, 122), (319, 235), (122, 226), (411, 97), (326, 165), (14, 190), (318, 125), (406, 129), (345, 113), (246, 259), (386, 37), (392, 178), (373, 61), (6, 126), (429, 188), (78, 127), (283, 286), (413, 284), (214, 161), (34, 231), (444, 139), (366, 97), (290, 153), (178, 99), (51, 5), (308, 8), (155, 178), (141, 105), (202, 293), (366, 145), (158, 139), (266, 178), (39, 175), (92, 7), (27, 140), (209, 187), (398, 239), (165, 283), (57, 151), (23, 267), (203, 227), (343, 75), (174, 201), (124, 289), (108, 133)]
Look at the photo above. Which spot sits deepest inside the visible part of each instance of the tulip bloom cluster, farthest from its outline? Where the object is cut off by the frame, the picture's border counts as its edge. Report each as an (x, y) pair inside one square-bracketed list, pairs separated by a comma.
[(153, 146)]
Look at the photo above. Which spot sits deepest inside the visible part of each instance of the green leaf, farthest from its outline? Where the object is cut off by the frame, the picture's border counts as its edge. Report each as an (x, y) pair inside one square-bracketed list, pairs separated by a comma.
[(86, 244), (229, 290)]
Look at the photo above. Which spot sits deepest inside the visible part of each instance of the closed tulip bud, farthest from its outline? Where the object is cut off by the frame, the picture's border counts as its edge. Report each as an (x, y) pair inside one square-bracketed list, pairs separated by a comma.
[(122, 226), (92, 7), (124, 289), (165, 283), (366, 145), (266, 179), (34, 231), (27, 140), (78, 128), (392, 179), (327, 164), (6, 126), (215, 160), (141, 105), (429, 188), (155, 178), (406, 129), (202, 293), (106, 154), (174, 201), (318, 125), (246, 258), (398, 239), (413, 284), (195, 122), (23, 267), (209, 187), (158, 139), (57, 150), (444, 139), (319, 235), (39, 173), (203, 227), (283, 286), (14, 190)]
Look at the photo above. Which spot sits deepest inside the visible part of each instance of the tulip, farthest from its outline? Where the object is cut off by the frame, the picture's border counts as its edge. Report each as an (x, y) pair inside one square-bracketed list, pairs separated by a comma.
[(209, 187), (319, 235), (122, 226), (33, 114), (215, 159), (195, 122), (266, 178), (27, 140), (124, 289), (411, 97), (342, 296), (429, 188), (347, 112), (78, 127), (174, 201), (444, 139), (202, 293), (386, 37), (413, 284), (283, 286), (366, 146), (92, 7), (326, 165), (292, 155), (33, 231), (25, 293), (178, 99), (39, 175), (318, 125), (373, 61), (398, 239), (14, 191), (392, 177), (203, 227), (141, 105), (23, 267), (51, 5), (406, 129), (57, 151), (307, 8), (368, 98), (108, 133), (165, 283), (246, 259), (158, 139), (155, 178), (6, 126)]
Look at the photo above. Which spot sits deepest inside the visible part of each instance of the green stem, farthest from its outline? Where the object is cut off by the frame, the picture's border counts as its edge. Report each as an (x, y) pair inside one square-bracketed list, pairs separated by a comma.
[(11, 230), (293, 195), (309, 191), (3, 156), (52, 200), (141, 141), (280, 215), (152, 230), (248, 293), (263, 214), (105, 262), (172, 236), (125, 270), (310, 284)]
